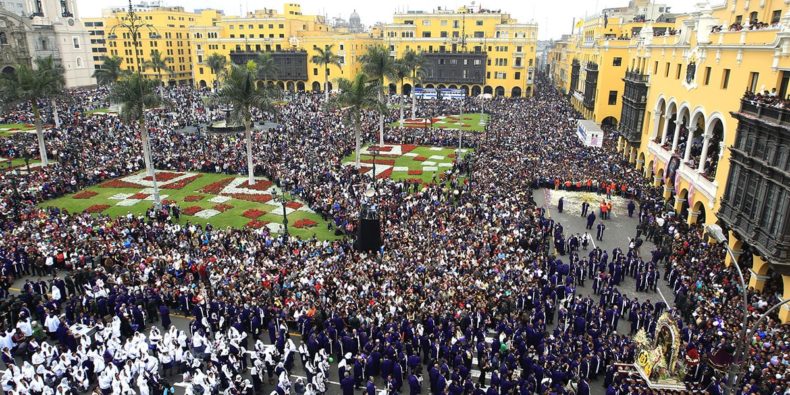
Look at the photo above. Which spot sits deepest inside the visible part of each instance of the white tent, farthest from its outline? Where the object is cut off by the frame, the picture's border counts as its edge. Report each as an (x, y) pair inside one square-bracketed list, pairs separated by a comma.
[(589, 133)]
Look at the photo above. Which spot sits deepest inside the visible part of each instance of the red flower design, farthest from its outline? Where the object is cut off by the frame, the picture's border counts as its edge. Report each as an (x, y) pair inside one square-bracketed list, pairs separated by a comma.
[(380, 148), (216, 187), (120, 184), (193, 198), (388, 162), (84, 195), (97, 208), (260, 185), (168, 202), (253, 213), (294, 205), (415, 172), (163, 176), (420, 158), (451, 155), (181, 183), (255, 224), (222, 207), (385, 174), (139, 196), (250, 197), (406, 148), (192, 210), (305, 223)]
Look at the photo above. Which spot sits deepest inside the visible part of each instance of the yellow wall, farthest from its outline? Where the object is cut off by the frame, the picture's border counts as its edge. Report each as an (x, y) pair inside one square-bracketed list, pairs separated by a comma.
[(607, 44), (173, 26), (504, 40)]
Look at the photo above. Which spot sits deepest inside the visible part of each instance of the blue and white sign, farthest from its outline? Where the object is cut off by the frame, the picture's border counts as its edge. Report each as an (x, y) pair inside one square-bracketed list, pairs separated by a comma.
[(445, 94)]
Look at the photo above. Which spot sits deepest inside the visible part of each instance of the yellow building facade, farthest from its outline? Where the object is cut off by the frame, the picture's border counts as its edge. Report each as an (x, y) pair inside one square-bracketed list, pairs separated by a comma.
[(683, 84), (507, 47), (169, 34), (697, 81), (291, 37), (590, 64)]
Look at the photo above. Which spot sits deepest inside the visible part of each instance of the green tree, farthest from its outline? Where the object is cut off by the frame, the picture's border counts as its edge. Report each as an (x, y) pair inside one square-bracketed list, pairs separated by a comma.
[(416, 63), (135, 94), (216, 63), (357, 96), (110, 71), (266, 68), (29, 85), (378, 65), (326, 58), (241, 93), (159, 64)]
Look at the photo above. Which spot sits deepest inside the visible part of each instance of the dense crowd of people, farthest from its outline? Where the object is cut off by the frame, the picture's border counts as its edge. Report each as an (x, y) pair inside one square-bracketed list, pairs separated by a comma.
[(466, 297)]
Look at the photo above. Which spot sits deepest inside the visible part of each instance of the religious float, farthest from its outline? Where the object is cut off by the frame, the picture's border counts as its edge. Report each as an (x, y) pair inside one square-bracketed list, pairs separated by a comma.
[(659, 360)]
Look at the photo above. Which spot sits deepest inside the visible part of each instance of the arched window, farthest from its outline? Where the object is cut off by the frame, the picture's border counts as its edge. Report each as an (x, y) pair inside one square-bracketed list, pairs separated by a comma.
[(79, 63), (3, 39)]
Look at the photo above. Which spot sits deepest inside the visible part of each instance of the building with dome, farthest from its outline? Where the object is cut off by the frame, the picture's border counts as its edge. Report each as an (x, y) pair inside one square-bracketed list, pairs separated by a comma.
[(355, 23)]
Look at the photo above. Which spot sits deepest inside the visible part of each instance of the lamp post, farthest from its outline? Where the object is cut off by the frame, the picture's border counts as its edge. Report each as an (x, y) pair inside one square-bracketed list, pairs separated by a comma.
[(460, 127), (374, 151), (717, 233), (283, 201), (133, 23)]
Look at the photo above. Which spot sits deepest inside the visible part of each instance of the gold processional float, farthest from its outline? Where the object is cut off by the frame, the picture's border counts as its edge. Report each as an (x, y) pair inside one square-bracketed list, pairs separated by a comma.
[(658, 361)]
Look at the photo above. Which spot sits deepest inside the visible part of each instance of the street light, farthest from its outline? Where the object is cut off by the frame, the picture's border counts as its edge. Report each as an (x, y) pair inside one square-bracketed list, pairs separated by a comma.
[(283, 201), (717, 233), (374, 151), (133, 23)]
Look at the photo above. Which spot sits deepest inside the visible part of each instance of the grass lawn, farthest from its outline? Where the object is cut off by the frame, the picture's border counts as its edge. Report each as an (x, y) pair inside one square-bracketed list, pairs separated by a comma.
[(233, 216), (18, 162), (430, 162), (469, 123), (8, 129), (100, 111)]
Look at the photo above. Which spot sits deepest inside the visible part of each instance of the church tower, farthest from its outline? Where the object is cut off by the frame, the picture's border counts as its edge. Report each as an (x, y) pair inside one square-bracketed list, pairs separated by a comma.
[(72, 42)]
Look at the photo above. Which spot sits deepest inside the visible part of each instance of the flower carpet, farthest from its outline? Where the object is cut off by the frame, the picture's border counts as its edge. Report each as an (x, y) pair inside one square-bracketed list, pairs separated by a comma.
[(219, 199), (416, 163)]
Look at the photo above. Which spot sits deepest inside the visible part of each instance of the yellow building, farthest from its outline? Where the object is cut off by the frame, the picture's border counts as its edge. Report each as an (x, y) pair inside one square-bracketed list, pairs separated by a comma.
[(478, 50), (558, 65), (292, 39), (170, 35), (591, 64)]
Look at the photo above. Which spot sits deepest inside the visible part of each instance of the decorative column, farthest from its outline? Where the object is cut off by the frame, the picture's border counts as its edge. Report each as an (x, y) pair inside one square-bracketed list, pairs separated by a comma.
[(784, 311), (759, 273), (704, 155), (690, 136), (677, 134), (692, 219), (663, 131), (667, 192), (657, 180)]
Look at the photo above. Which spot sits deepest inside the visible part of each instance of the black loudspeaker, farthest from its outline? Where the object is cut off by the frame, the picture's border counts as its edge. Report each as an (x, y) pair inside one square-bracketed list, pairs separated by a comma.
[(368, 234)]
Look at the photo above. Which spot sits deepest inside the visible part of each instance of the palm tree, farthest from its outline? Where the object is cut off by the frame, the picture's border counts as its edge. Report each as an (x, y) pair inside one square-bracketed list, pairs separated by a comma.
[(401, 72), (159, 64), (241, 93), (265, 66), (378, 65), (110, 71), (416, 64), (31, 84), (216, 63), (135, 94), (357, 96), (326, 58)]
